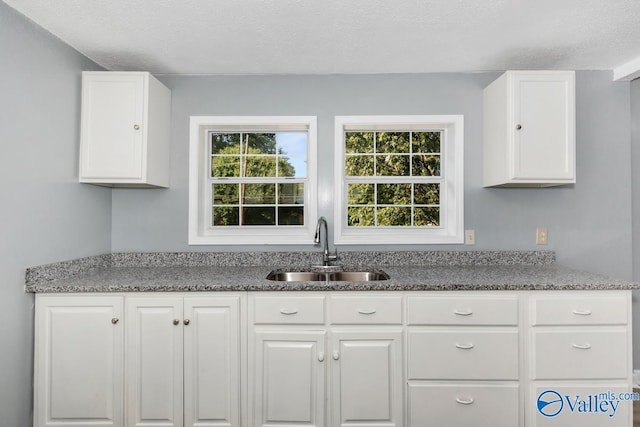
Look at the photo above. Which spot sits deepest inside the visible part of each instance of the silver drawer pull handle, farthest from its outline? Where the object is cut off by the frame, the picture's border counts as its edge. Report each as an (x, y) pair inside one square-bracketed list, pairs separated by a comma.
[(586, 346), (468, 401), (464, 346), (582, 312), (462, 312), (288, 312), (367, 311)]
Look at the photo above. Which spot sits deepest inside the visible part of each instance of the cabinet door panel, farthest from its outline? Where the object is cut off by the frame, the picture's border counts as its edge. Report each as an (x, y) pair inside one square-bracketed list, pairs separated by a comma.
[(112, 107), (78, 362), (289, 376), (367, 378), (543, 147), (212, 362), (154, 362)]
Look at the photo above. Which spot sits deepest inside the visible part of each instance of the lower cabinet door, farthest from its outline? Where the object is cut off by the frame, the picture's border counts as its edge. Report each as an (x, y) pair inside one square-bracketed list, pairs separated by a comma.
[(154, 362), (78, 361), (463, 405), (212, 361), (366, 378), (289, 383), (580, 404)]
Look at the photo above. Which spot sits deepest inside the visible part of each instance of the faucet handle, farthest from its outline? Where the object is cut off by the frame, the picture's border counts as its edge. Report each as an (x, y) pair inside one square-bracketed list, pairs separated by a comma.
[(333, 256)]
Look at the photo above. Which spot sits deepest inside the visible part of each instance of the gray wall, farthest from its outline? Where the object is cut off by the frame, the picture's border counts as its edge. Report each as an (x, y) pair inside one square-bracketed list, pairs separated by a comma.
[(46, 215), (589, 223)]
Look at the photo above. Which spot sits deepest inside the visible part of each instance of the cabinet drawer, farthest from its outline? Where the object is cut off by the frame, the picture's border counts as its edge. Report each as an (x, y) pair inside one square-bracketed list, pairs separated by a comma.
[(454, 310), (580, 310), (467, 354), (580, 354), (478, 405), (366, 309), (288, 309)]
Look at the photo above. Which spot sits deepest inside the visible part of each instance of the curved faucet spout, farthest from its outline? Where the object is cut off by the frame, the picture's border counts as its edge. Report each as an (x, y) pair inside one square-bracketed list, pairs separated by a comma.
[(327, 257)]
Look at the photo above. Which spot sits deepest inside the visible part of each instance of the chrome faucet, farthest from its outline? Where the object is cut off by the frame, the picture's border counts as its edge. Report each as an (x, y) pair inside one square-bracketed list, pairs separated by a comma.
[(327, 257)]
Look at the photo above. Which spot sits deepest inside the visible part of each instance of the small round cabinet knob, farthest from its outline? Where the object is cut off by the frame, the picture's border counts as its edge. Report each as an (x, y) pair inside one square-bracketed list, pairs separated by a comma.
[(176, 321), (115, 320), (136, 127), (336, 355), (186, 322), (518, 127)]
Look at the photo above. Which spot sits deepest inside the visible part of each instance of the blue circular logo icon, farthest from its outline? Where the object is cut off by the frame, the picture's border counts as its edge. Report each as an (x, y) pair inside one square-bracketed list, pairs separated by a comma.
[(550, 403)]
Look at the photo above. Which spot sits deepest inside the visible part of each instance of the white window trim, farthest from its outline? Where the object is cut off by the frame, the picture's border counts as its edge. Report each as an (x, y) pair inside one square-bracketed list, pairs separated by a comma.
[(451, 230), (199, 162)]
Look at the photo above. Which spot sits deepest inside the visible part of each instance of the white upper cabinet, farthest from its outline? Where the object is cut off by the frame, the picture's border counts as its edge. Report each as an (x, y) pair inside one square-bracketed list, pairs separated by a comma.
[(529, 129), (124, 139)]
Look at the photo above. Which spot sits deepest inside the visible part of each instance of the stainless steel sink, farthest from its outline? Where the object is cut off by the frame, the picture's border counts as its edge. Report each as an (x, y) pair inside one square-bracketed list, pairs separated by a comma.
[(358, 276), (333, 276), (296, 276)]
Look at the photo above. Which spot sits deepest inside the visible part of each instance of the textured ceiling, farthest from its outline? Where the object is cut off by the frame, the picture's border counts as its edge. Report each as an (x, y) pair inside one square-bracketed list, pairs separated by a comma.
[(343, 36)]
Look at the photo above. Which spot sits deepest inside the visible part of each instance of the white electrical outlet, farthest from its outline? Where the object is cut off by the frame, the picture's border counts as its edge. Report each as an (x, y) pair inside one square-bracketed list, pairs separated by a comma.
[(470, 237), (542, 236)]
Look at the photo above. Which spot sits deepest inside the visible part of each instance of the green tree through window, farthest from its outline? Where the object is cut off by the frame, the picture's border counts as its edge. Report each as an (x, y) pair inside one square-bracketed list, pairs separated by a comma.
[(256, 178), (387, 177)]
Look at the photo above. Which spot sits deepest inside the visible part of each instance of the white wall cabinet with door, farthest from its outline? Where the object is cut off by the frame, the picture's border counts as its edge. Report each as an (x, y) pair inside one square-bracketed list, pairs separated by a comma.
[(124, 137), (529, 129), (184, 361), (79, 361)]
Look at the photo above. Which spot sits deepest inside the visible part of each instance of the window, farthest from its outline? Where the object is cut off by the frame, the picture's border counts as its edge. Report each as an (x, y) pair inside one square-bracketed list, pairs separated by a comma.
[(252, 180), (399, 179)]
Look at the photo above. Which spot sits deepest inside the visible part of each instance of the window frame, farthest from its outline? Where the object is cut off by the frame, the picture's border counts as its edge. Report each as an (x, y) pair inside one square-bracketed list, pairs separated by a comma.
[(200, 233), (451, 180)]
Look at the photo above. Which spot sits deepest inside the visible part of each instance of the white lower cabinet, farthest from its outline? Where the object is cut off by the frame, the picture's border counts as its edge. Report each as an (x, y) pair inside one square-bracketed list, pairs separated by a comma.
[(366, 377), (79, 354), (334, 359), (289, 381), (463, 365), (183, 361), (579, 359), (300, 380)]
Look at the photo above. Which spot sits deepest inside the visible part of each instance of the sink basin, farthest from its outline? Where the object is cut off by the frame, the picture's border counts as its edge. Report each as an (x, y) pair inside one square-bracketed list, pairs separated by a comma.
[(296, 276), (358, 276), (334, 276)]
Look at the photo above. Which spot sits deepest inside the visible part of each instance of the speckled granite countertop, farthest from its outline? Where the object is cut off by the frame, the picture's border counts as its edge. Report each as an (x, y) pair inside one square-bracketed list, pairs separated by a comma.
[(414, 271)]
